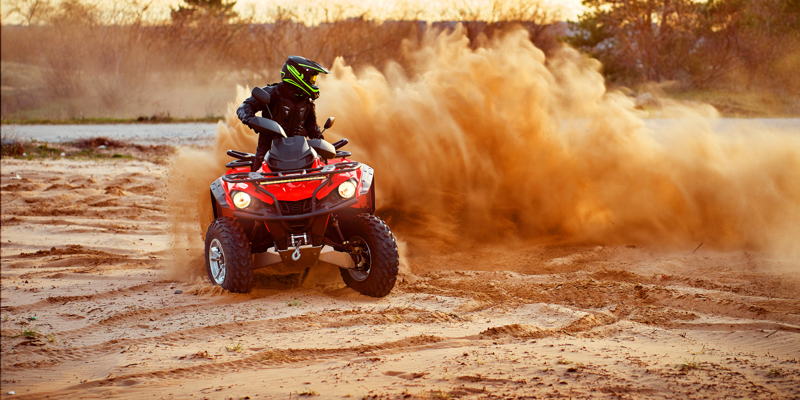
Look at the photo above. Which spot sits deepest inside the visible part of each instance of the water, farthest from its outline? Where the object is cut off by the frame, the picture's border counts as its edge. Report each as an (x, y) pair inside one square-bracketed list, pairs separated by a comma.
[(202, 134), (198, 134)]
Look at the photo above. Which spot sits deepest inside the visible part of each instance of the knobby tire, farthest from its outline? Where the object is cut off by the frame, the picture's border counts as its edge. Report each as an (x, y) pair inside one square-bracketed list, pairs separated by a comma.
[(238, 259), (385, 260)]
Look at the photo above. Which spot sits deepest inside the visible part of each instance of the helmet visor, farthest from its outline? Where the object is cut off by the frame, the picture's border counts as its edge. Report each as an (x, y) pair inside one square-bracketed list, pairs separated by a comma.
[(313, 79)]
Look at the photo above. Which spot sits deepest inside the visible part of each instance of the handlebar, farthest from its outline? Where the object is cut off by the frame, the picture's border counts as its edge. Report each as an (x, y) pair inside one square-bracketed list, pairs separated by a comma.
[(240, 155)]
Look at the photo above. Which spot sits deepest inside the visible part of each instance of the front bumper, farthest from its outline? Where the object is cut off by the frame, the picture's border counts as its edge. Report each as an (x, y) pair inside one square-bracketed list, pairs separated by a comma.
[(269, 215)]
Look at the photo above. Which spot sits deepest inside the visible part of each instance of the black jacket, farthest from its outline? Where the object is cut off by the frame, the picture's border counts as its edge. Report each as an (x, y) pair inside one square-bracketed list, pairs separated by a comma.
[(294, 113)]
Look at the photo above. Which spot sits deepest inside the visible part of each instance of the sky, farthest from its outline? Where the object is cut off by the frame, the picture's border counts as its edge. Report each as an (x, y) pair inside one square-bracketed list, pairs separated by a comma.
[(312, 11)]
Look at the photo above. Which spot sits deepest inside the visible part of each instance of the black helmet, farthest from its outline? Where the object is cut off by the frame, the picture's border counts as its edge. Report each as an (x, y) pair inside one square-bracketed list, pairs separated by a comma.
[(302, 73)]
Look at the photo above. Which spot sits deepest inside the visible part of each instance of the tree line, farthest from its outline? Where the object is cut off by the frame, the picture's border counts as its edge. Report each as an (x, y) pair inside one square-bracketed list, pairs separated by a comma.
[(700, 44), (112, 61)]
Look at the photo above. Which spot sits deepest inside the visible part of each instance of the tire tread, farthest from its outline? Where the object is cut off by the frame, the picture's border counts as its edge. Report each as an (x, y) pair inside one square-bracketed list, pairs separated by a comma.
[(238, 258), (385, 257)]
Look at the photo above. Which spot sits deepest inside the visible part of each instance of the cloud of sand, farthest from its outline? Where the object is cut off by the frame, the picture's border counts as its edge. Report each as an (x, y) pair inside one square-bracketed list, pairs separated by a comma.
[(497, 143), (494, 143), (191, 173)]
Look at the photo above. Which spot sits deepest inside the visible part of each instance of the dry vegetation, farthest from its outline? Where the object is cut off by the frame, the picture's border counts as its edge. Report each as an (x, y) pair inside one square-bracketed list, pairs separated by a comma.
[(92, 148), (93, 63), (72, 60), (739, 47)]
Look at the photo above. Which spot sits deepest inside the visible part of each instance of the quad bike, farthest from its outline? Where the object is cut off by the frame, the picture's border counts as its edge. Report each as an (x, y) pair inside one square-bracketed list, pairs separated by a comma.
[(306, 195)]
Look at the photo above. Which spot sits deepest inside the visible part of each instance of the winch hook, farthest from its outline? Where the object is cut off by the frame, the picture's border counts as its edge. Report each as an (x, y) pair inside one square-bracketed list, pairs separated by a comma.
[(296, 254)]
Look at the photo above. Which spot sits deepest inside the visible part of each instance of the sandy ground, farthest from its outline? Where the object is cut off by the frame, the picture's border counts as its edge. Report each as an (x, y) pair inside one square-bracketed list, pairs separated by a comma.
[(83, 249)]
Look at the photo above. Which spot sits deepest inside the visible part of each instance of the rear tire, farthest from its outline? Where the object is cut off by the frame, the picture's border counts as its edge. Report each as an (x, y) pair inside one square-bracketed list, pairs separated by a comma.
[(229, 262), (378, 274)]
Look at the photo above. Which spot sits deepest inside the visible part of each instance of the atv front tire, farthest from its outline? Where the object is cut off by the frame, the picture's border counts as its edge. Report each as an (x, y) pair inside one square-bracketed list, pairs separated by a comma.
[(229, 262), (378, 250)]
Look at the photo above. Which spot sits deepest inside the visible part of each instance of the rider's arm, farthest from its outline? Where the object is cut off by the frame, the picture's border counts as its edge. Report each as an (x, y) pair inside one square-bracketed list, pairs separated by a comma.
[(248, 109), (310, 126), (251, 106)]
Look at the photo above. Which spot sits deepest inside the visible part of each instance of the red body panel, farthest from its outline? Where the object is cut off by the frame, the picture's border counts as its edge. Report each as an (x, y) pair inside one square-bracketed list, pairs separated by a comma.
[(295, 191)]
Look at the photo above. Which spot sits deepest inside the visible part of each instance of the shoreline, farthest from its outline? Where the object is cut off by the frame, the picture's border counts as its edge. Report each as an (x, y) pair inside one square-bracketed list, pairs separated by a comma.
[(111, 121)]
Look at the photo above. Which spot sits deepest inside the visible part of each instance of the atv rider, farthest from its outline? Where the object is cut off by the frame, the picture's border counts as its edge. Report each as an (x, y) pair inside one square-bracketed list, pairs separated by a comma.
[(291, 104)]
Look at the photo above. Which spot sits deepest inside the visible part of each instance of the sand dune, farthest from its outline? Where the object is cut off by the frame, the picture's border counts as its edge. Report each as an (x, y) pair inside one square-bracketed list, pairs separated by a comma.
[(84, 248)]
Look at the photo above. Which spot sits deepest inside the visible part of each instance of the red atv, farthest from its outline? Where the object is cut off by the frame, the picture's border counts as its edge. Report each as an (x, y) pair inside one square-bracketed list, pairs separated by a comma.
[(306, 195)]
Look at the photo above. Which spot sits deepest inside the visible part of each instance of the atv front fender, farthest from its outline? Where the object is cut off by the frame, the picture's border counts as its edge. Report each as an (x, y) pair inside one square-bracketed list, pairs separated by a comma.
[(218, 199)]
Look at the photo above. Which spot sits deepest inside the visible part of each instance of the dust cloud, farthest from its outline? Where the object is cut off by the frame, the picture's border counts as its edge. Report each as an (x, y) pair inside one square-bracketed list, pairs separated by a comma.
[(497, 144), (191, 173)]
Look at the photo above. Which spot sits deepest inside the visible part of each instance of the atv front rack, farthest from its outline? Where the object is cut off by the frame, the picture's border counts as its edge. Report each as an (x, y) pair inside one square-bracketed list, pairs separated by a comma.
[(274, 177), (261, 179)]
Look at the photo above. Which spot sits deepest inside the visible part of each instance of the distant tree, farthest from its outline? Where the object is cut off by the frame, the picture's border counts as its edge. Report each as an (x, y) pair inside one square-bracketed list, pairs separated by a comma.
[(640, 39), (205, 10), (694, 42), (31, 12), (536, 17), (768, 43)]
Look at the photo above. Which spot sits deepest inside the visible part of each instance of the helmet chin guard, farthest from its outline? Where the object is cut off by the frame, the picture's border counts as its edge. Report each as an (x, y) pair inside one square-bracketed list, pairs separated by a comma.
[(302, 73)]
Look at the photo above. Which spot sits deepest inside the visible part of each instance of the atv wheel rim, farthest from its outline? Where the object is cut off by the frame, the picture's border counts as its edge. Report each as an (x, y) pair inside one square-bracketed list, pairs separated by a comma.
[(216, 259), (362, 274)]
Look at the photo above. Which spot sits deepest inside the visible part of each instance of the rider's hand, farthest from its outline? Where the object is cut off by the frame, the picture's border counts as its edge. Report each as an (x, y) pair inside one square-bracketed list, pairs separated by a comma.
[(246, 121)]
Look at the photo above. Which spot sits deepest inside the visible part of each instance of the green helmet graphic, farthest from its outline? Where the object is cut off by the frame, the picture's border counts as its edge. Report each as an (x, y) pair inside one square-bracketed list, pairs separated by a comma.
[(302, 73)]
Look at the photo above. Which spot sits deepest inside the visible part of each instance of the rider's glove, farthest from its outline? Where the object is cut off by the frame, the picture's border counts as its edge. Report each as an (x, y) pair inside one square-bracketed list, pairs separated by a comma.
[(246, 121)]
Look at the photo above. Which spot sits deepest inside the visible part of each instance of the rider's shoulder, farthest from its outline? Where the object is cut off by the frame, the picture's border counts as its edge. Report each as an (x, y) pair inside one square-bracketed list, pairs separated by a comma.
[(272, 89)]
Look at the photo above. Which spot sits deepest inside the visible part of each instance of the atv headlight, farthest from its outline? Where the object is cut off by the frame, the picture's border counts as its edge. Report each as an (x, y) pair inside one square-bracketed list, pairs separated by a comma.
[(241, 200), (347, 189)]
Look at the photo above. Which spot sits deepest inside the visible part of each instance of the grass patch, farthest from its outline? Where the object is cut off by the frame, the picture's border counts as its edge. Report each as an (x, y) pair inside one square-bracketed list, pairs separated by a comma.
[(94, 148), (44, 151), (93, 154), (16, 148), (308, 392), (11, 146), (98, 141), (440, 394), (775, 373), (27, 332), (236, 349), (271, 355), (699, 352), (689, 364), (294, 303)]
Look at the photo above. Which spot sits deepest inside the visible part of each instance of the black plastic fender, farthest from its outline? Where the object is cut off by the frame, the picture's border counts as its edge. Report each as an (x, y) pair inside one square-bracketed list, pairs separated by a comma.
[(218, 197), (368, 186)]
